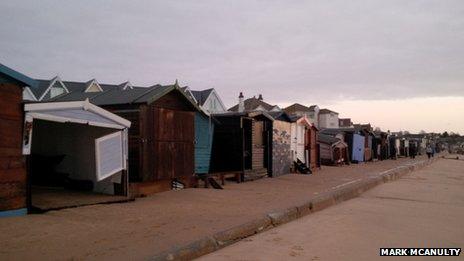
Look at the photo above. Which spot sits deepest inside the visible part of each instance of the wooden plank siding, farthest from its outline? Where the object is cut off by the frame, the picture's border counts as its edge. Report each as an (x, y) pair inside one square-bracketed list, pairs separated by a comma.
[(258, 146), (173, 143), (135, 141), (12, 163), (311, 135), (161, 142), (204, 130)]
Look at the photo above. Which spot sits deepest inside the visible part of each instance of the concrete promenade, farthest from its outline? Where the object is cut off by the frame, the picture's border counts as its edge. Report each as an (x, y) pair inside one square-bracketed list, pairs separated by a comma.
[(188, 223), (422, 209)]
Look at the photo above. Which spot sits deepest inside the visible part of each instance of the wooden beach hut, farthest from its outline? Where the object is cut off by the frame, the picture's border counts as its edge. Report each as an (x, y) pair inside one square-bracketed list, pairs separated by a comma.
[(355, 140), (162, 136), (77, 154), (282, 160), (333, 151), (13, 174), (204, 133), (304, 142), (242, 144)]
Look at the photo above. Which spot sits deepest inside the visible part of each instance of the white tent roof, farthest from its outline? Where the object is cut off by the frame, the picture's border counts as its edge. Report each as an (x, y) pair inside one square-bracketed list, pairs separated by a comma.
[(82, 112)]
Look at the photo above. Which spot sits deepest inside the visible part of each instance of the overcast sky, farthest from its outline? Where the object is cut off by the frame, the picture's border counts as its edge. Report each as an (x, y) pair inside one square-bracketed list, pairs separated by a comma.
[(333, 53)]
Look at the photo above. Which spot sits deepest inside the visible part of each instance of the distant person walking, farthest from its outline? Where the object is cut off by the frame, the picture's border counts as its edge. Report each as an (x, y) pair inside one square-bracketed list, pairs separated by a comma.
[(429, 151), (393, 155), (412, 150)]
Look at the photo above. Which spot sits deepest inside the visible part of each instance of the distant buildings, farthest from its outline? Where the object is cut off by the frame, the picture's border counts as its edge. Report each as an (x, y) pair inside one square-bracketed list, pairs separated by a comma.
[(208, 100), (253, 104), (345, 123), (328, 119), (321, 118)]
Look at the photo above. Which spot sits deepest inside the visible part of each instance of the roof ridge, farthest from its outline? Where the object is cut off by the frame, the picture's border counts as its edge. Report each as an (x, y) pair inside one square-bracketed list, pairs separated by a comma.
[(150, 89)]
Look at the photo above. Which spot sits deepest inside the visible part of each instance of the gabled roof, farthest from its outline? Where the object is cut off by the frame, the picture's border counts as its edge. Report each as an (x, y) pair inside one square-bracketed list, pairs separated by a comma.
[(202, 96), (91, 83), (303, 120), (313, 107), (326, 111), (280, 115), (78, 112), (128, 96), (253, 103), (45, 86), (17, 77), (73, 86), (296, 107)]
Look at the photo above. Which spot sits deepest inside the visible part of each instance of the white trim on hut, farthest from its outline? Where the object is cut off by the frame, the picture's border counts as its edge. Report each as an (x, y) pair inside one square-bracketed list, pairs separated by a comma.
[(93, 86), (111, 146), (52, 85)]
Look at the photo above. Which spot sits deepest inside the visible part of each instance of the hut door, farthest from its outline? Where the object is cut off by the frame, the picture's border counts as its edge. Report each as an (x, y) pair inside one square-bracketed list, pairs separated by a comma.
[(247, 142), (293, 142), (109, 155), (173, 146), (300, 145), (308, 145), (258, 145)]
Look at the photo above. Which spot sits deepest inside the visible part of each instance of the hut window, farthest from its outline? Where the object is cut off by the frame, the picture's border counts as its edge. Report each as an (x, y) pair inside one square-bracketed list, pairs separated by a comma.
[(55, 91)]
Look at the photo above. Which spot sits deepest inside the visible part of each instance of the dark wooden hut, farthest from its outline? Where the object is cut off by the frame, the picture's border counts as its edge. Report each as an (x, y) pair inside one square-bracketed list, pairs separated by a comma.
[(13, 177), (333, 151), (242, 144), (355, 140), (161, 138)]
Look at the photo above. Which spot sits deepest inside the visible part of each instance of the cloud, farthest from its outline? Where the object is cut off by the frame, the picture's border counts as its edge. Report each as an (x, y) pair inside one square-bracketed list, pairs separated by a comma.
[(290, 51)]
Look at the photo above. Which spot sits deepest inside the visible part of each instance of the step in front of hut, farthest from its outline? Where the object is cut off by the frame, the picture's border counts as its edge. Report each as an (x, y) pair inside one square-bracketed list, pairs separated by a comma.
[(255, 174)]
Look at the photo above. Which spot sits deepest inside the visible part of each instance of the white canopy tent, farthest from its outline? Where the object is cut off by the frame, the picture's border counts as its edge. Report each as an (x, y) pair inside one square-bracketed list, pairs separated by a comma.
[(106, 135)]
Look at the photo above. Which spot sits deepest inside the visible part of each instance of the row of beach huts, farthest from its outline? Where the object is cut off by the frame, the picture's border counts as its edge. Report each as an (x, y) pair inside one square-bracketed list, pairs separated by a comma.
[(66, 144)]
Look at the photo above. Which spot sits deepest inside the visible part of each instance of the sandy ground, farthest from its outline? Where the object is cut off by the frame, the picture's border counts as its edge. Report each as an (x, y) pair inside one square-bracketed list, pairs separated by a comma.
[(141, 229), (59, 198), (423, 209)]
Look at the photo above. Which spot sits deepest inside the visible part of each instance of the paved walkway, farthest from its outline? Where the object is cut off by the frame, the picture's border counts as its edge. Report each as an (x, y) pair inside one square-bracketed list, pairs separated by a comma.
[(423, 209), (148, 226)]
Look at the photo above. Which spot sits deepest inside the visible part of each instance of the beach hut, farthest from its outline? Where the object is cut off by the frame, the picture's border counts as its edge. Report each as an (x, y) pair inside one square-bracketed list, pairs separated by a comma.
[(312, 147), (210, 102), (355, 140), (162, 135), (304, 142), (77, 154), (358, 147), (282, 160), (404, 147), (381, 150), (242, 145), (333, 151), (13, 177), (366, 131)]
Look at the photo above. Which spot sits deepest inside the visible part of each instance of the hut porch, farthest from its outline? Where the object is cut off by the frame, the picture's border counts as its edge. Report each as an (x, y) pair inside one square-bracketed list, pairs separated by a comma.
[(76, 155), (54, 198)]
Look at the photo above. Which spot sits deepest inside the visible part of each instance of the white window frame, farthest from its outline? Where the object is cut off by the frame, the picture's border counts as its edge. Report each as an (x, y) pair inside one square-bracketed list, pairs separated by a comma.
[(54, 89)]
